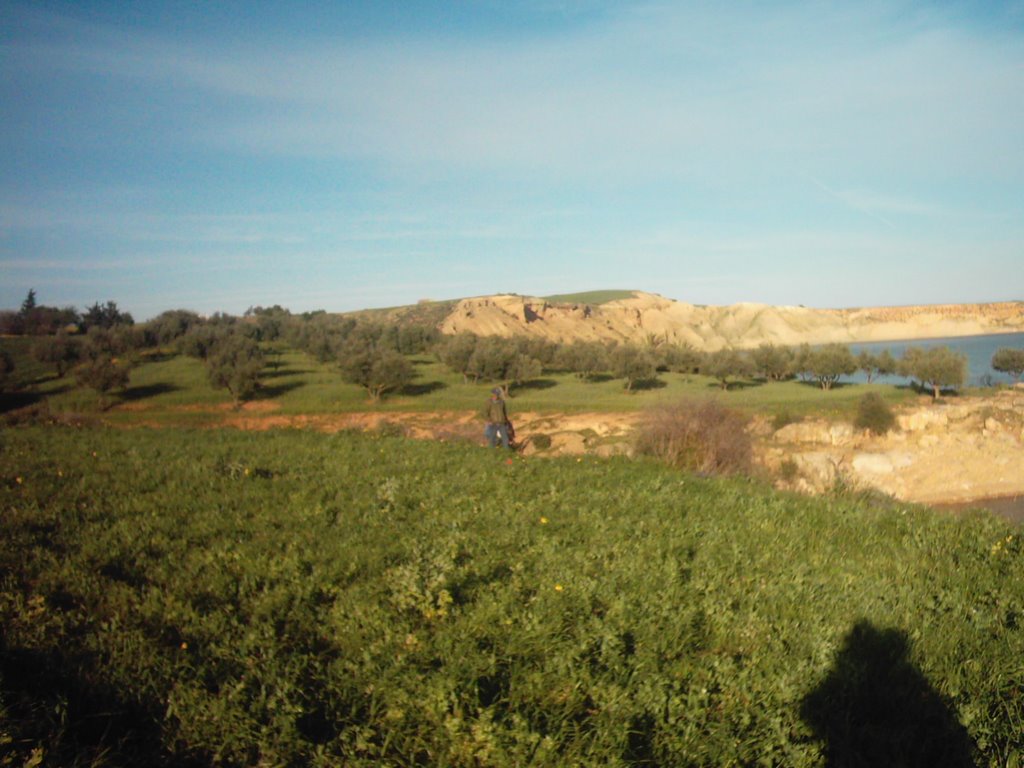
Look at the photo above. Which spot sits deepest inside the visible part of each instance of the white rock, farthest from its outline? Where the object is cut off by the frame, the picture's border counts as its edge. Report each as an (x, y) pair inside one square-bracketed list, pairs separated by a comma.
[(840, 433), (568, 442), (613, 449), (921, 420), (872, 463), (805, 432), (901, 459), (818, 467)]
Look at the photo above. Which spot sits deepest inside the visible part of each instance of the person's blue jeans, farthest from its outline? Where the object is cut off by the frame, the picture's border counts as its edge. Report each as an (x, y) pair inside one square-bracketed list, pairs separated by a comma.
[(495, 431)]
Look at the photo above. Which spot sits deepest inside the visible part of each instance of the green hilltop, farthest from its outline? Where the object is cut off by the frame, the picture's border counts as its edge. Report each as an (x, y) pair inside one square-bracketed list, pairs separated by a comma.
[(590, 297)]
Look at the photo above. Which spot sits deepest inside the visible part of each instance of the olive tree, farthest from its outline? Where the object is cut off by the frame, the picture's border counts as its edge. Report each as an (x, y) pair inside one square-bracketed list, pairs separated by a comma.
[(456, 352), (882, 364), (1009, 360), (678, 358), (60, 350), (584, 358), (772, 362), (935, 367), (376, 370), (829, 363), (234, 363), (726, 364), (103, 373), (634, 364)]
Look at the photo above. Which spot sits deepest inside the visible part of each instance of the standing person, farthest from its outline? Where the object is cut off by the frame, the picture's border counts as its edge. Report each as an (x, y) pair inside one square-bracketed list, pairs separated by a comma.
[(496, 417)]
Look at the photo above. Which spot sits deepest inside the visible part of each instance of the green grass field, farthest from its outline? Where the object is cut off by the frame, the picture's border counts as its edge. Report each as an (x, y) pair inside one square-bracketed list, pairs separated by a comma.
[(590, 297), (171, 597), (174, 390)]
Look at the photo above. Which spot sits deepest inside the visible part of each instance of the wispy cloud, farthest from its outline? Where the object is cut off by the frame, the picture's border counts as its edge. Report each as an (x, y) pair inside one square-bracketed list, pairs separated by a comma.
[(772, 138), (646, 91)]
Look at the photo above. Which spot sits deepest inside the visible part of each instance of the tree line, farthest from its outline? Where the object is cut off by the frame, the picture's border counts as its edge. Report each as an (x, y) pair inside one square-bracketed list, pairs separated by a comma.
[(104, 343)]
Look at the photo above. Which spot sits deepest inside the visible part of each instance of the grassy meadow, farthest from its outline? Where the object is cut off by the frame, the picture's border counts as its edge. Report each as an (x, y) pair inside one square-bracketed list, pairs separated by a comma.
[(294, 598), (172, 594)]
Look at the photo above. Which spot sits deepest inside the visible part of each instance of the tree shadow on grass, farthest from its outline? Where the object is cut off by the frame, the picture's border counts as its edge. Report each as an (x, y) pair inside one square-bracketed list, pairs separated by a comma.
[(415, 390), (276, 390), (645, 385), (277, 373), (835, 385), (735, 385), (13, 401), (536, 384), (155, 356), (875, 708), (49, 701), (132, 394)]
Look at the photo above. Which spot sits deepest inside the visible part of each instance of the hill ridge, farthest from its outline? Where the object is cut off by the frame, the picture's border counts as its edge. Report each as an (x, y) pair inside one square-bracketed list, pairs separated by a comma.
[(641, 316)]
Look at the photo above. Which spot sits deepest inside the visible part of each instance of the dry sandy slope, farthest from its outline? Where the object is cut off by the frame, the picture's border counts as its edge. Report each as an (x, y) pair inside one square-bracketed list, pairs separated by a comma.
[(648, 316)]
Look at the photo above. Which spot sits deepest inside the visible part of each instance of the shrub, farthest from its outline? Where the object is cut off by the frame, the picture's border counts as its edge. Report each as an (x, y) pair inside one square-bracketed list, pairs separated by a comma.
[(103, 374), (874, 414), (784, 418), (541, 441), (702, 436)]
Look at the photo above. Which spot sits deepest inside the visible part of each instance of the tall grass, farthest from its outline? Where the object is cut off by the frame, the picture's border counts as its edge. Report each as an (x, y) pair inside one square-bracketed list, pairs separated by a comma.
[(294, 598)]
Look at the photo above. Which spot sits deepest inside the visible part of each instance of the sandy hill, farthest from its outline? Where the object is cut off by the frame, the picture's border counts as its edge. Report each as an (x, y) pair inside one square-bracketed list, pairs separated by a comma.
[(640, 316)]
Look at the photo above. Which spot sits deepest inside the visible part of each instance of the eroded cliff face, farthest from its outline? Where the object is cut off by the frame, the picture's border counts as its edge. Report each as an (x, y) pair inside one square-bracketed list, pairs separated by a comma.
[(648, 316), (969, 449)]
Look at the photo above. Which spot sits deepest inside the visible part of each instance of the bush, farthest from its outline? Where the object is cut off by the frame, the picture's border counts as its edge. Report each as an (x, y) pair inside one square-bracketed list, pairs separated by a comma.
[(783, 419), (541, 441), (702, 436), (103, 373), (874, 414)]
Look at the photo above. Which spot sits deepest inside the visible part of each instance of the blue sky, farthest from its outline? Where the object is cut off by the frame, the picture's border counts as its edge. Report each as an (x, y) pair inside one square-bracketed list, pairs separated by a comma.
[(215, 156)]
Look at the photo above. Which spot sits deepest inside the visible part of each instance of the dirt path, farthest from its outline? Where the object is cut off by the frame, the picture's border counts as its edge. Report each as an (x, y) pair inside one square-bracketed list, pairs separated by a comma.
[(970, 449)]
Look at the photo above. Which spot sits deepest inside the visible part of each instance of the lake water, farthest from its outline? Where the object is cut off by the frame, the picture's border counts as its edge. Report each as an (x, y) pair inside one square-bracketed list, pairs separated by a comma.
[(979, 351)]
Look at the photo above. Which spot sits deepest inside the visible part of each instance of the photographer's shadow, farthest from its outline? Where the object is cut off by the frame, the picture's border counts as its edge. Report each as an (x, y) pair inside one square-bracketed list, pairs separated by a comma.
[(875, 708)]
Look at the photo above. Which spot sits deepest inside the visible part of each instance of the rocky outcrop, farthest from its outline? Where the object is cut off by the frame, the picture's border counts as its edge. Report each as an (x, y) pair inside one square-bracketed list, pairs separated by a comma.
[(960, 452)]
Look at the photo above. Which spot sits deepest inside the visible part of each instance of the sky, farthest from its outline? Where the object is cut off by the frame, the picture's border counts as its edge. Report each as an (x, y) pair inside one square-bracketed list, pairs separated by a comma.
[(339, 156)]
